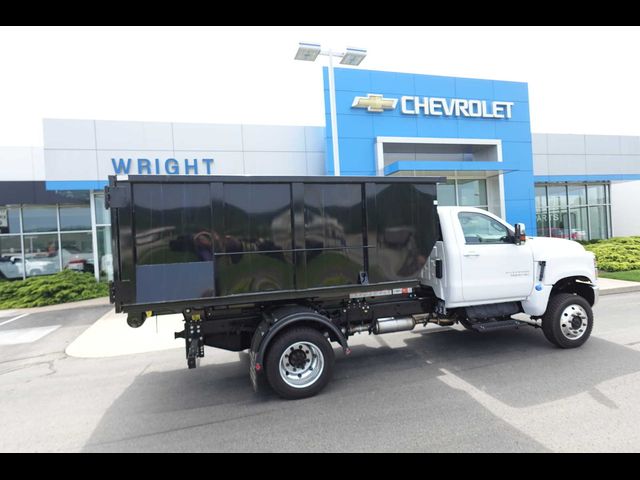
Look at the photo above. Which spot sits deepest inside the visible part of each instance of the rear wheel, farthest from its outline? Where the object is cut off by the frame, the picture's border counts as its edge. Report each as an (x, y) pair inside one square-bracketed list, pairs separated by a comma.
[(568, 320), (299, 363)]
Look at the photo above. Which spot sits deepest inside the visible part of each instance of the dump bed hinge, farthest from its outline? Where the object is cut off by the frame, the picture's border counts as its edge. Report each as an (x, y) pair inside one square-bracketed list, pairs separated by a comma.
[(117, 197), (193, 336)]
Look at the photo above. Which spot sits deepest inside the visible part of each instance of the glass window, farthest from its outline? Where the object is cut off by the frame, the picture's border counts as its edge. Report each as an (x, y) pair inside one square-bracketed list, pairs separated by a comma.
[(558, 224), (575, 215), (11, 265), (542, 222), (41, 254), (472, 192), (332, 215), (75, 218), (599, 222), (480, 228), (579, 224), (541, 197), (173, 223), (104, 253), (597, 194), (39, 219), (77, 251), (72, 196), (103, 216), (557, 196), (9, 220), (577, 195), (447, 193)]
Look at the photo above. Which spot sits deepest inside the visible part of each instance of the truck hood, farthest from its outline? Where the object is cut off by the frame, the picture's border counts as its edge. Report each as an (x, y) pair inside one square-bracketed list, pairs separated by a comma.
[(546, 247)]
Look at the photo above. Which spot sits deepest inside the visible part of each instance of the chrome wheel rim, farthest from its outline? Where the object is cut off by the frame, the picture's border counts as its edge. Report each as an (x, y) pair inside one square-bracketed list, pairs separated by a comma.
[(301, 364), (573, 322)]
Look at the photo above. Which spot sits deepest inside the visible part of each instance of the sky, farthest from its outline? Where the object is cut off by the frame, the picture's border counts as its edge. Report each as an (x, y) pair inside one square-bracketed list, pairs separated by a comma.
[(581, 80)]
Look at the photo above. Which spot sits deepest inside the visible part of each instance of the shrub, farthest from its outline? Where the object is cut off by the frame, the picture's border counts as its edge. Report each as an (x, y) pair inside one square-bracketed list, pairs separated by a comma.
[(617, 254), (66, 286)]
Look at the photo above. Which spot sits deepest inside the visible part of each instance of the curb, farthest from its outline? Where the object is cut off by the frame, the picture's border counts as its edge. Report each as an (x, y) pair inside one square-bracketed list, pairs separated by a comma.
[(94, 302), (625, 289)]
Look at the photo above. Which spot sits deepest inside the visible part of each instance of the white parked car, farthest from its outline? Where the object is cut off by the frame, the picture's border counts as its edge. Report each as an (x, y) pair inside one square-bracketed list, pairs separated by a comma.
[(9, 269)]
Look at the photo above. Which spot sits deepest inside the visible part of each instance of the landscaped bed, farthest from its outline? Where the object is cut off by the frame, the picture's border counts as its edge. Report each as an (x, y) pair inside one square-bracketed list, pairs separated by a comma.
[(618, 257), (63, 287)]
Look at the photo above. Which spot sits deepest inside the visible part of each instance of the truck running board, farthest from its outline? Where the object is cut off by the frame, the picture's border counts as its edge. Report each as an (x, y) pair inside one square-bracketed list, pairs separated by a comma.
[(498, 325)]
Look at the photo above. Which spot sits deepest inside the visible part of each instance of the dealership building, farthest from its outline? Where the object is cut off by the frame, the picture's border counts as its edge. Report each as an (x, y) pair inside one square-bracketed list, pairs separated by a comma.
[(474, 132)]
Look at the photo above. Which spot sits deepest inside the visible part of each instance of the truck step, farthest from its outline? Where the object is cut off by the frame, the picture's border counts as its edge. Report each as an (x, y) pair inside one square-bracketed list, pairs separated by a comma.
[(499, 325)]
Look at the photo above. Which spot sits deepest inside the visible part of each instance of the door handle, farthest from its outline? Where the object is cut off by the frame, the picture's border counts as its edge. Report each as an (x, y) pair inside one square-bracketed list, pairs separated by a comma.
[(471, 254)]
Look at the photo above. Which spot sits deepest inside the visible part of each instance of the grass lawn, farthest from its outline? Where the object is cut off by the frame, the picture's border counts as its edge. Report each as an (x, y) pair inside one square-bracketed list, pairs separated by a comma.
[(631, 275)]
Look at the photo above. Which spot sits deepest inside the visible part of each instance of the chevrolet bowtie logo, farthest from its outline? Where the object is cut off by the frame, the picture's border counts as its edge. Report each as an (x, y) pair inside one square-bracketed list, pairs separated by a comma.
[(374, 103)]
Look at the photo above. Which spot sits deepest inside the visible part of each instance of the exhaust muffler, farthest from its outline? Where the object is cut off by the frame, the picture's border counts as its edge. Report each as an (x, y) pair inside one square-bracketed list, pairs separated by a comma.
[(393, 324)]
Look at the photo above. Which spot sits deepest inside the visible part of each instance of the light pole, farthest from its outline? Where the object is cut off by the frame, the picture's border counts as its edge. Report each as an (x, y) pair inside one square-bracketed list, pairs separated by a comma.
[(351, 56)]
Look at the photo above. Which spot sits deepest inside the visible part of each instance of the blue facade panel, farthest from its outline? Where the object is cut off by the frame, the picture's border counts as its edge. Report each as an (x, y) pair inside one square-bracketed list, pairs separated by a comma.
[(444, 165), (429, 85), (356, 161), (474, 88), (512, 151), (395, 127), (440, 127), (514, 131), (586, 178), (75, 184), (516, 91), (476, 128), (358, 128), (390, 82)]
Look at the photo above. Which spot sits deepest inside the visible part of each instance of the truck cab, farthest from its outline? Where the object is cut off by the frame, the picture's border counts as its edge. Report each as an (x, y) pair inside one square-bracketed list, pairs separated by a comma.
[(487, 269)]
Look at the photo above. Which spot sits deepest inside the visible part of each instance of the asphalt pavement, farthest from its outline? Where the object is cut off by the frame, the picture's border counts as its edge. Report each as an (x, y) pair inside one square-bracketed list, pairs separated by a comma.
[(433, 389)]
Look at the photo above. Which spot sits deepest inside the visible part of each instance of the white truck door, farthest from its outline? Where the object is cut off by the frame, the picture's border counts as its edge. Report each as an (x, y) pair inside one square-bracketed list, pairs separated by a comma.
[(493, 268)]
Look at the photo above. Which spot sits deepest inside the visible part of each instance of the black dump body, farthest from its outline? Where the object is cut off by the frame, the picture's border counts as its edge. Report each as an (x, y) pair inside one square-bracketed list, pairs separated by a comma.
[(190, 242)]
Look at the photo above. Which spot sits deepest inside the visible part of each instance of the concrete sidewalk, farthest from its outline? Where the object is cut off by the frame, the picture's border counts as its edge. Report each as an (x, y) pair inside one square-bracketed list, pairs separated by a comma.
[(609, 286), (110, 336)]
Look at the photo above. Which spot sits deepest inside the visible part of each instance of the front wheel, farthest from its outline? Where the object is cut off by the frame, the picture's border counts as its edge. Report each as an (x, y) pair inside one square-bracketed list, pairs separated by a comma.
[(568, 320), (299, 363)]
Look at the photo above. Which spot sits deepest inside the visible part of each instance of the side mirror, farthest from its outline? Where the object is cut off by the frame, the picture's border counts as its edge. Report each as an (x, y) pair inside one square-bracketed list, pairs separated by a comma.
[(520, 234)]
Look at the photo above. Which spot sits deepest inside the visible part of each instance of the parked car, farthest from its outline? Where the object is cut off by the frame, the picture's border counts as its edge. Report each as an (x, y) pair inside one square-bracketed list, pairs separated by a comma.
[(558, 232), (578, 234), (34, 265), (42, 266), (8, 268), (74, 259)]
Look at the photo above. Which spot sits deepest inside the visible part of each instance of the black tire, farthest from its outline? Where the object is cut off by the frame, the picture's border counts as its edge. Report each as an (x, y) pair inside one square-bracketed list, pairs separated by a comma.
[(281, 344), (558, 309)]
